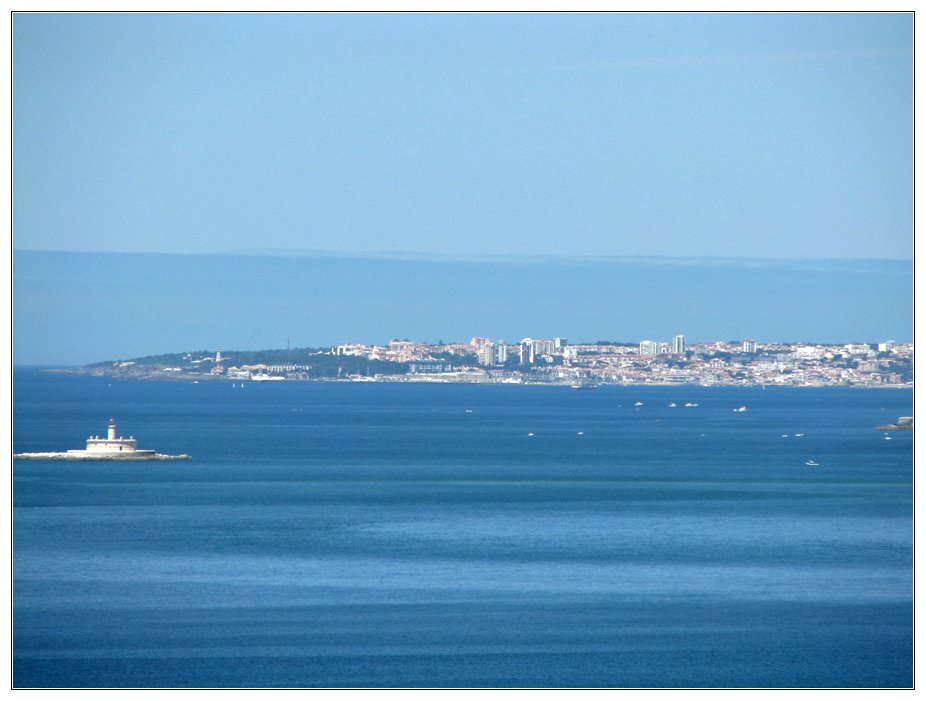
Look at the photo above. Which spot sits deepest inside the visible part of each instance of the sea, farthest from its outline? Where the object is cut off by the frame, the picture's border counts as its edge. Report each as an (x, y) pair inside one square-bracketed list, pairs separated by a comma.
[(386, 535)]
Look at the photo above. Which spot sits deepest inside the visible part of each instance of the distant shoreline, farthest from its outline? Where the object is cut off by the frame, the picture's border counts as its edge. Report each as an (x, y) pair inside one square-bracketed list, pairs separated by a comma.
[(402, 380)]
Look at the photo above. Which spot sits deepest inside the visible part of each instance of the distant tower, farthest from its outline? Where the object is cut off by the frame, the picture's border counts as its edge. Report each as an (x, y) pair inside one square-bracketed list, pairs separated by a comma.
[(678, 345), (526, 350), (749, 345), (111, 434), (501, 353), (218, 356)]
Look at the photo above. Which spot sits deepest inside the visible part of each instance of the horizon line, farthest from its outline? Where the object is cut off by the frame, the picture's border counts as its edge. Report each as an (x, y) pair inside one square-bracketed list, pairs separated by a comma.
[(435, 257)]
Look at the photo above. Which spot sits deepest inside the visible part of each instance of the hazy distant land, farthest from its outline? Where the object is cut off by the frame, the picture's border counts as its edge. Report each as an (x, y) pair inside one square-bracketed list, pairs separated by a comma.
[(536, 361)]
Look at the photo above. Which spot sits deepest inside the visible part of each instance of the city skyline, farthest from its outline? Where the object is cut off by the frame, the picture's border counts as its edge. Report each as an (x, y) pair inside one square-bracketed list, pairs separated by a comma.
[(536, 361), (78, 308)]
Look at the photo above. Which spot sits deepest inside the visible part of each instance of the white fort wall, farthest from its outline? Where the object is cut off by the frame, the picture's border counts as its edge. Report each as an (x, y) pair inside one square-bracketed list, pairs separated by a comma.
[(111, 444)]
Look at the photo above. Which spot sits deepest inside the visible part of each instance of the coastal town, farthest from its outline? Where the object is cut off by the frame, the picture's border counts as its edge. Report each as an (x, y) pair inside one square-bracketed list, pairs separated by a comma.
[(541, 361)]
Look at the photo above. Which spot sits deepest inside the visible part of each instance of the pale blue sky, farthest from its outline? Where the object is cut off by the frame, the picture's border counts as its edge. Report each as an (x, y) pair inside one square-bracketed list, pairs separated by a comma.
[(719, 135), (452, 175), (76, 308)]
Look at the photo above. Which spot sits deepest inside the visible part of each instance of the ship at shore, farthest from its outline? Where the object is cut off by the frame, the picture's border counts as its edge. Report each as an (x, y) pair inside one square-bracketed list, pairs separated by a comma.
[(108, 448)]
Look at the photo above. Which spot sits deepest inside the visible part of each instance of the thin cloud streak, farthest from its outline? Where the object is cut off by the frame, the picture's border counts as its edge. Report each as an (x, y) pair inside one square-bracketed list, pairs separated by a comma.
[(817, 264), (822, 265)]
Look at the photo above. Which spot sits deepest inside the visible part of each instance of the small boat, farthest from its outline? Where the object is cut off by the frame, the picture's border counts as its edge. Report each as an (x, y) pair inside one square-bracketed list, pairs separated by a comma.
[(887, 438), (784, 435), (584, 385), (638, 403), (672, 404), (530, 434), (691, 404), (798, 435), (812, 463), (740, 409), (581, 433)]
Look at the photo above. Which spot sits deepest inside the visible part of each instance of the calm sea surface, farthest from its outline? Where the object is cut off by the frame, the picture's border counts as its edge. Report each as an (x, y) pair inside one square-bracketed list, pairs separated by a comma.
[(384, 535)]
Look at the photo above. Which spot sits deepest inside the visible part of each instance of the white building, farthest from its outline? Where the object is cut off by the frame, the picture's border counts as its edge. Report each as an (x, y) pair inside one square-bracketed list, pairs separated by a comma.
[(486, 354), (527, 351), (501, 352), (112, 446)]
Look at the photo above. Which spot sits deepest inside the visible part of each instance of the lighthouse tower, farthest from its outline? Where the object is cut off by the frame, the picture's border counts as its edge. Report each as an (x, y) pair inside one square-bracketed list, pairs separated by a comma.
[(112, 444)]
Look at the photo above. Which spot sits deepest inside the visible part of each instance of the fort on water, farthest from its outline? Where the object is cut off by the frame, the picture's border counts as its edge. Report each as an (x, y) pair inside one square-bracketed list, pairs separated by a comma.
[(109, 448)]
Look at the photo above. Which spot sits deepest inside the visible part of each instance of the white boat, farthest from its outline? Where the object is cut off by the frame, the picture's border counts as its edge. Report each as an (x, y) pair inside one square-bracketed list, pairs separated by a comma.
[(798, 435), (812, 463), (691, 404), (740, 409), (638, 403), (672, 404)]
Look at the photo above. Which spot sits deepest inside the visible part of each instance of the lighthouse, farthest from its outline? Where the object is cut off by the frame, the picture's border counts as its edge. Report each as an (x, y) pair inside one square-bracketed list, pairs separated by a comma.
[(109, 448), (114, 444)]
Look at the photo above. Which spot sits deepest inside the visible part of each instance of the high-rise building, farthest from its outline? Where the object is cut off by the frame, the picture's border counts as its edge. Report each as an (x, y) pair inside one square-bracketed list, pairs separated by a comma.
[(527, 351), (749, 346), (678, 345), (486, 354), (501, 352), (649, 347), (543, 347), (887, 346)]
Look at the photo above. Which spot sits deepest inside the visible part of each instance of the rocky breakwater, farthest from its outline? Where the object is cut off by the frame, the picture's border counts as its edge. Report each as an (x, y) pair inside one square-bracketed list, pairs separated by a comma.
[(84, 455), (904, 423)]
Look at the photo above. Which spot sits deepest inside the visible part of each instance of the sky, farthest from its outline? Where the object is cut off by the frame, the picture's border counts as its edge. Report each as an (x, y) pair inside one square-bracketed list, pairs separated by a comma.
[(733, 135), (463, 148)]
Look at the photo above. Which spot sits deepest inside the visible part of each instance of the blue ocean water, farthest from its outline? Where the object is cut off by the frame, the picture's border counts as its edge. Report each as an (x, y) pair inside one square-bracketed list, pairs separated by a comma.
[(385, 535)]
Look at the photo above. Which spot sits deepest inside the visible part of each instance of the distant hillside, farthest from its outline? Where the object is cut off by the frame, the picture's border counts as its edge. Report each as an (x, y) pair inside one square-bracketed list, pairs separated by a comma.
[(296, 363)]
